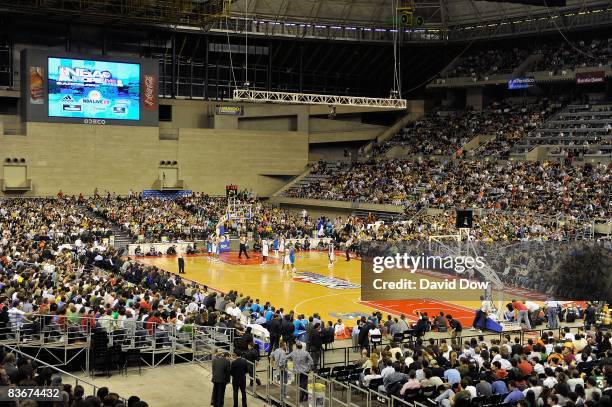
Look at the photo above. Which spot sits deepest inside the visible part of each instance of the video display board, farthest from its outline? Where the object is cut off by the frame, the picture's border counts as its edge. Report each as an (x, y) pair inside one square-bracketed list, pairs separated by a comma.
[(93, 89), (89, 89)]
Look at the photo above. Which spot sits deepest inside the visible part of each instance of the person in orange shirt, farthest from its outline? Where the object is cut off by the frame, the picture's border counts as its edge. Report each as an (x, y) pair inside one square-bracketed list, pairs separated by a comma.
[(557, 354), (523, 313)]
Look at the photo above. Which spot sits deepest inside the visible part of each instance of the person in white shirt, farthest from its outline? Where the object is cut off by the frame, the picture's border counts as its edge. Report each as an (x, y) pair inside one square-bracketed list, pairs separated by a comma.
[(480, 320), (552, 313), (576, 379), (16, 317), (550, 380), (339, 328), (265, 248), (387, 370), (192, 307)]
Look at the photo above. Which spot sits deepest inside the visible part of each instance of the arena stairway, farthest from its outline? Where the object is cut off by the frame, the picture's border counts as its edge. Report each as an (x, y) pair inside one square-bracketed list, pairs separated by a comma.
[(308, 179), (121, 237)]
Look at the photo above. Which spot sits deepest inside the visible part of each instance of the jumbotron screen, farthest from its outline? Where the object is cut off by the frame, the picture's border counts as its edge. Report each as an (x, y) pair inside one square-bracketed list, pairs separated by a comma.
[(93, 89)]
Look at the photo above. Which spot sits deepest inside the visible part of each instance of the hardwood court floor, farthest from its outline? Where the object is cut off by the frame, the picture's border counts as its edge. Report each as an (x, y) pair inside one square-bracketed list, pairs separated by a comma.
[(332, 292)]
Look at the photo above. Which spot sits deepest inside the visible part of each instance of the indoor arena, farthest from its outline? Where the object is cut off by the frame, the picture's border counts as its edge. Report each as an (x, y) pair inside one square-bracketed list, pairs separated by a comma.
[(306, 203)]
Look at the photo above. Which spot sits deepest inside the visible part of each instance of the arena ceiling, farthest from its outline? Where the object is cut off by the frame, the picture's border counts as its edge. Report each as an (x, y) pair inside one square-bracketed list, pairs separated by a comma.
[(379, 13)]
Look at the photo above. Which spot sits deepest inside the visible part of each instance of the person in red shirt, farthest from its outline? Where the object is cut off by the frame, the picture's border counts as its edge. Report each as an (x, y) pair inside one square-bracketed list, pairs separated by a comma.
[(153, 321), (523, 313), (499, 372), (144, 305), (525, 367), (88, 321)]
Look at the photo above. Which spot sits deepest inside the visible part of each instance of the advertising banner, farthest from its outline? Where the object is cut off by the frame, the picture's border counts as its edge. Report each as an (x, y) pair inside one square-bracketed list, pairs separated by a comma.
[(520, 83), (149, 92), (230, 110), (36, 85), (585, 78)]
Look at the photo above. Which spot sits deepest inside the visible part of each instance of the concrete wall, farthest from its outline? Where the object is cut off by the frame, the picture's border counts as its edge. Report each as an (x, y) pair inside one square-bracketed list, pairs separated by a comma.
[(339, 130), (193, 114), (474, 98), (80, 158)]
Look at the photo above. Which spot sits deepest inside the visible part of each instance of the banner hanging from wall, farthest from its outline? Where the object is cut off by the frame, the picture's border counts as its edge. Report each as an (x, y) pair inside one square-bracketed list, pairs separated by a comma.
[(230, 110), (521, 83), (37, 91), (585, 78), (149, 92)]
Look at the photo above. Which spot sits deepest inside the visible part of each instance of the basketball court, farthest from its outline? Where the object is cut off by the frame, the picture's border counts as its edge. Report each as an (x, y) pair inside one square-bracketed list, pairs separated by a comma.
[(332, 292)]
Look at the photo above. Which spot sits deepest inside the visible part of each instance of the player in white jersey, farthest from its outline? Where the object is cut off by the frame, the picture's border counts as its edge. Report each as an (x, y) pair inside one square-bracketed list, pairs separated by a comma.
[(264, 251), (215, 248), (330, 254), (287, 260), (281, 245)]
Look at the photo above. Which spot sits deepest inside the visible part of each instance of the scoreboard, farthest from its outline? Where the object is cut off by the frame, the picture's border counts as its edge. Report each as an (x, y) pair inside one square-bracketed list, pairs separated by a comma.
[(69, 88)]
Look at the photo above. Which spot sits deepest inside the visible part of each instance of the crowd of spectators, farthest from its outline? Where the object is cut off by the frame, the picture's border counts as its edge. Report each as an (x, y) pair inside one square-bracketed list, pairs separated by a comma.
[(44, 247), (556, 57), (564, 56), (546, 188), (446, 133), (56, 270), (549, 370), (483, 64), (152, 218)]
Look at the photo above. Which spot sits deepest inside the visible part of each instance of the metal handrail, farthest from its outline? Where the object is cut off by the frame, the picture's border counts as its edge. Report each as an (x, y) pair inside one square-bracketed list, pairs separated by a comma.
[(56, 369)]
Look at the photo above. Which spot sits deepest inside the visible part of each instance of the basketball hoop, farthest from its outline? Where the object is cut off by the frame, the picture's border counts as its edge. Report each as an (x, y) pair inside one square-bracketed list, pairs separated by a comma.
[(238, 210)]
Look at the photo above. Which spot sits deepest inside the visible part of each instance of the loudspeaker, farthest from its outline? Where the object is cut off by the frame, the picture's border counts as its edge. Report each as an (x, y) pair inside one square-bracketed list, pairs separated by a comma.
[(464, 219)]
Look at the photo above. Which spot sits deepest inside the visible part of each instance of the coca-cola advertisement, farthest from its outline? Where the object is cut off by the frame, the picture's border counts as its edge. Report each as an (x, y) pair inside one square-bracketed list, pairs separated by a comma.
[(149, 92)]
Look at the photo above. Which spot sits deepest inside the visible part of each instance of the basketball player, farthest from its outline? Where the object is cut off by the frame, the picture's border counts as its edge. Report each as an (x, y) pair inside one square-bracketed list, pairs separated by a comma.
[(264, 251), (281, 245), (215, 248), (330, 254), (209, 244), (275, 246), (287, 260), (292, 257)]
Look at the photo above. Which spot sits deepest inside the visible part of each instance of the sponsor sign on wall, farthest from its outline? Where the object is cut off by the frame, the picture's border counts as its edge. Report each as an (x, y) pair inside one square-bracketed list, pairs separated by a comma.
[(149, 92), (585, 78)]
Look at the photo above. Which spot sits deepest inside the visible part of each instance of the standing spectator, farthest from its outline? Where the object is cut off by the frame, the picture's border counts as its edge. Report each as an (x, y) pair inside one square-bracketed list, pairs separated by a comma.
[(252, 355), (238, 371), (552, 313), (220, 378), (302, 364), (279, 361), (523, 313), (364, 333), (315, 344), (455, 326)]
